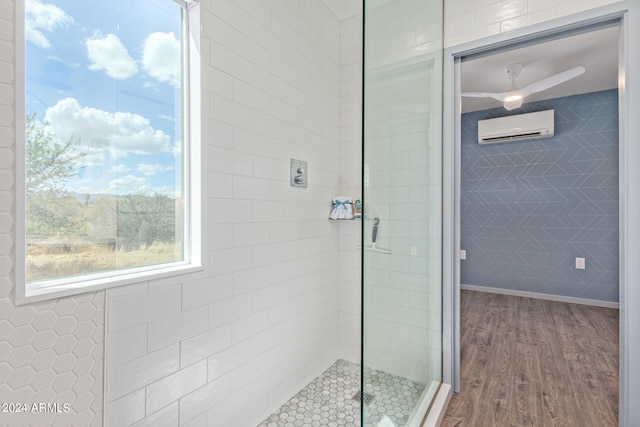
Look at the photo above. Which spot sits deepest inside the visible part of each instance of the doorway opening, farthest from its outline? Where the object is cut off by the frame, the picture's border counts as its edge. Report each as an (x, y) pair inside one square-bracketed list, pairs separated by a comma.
[(496, 180), (539, 216)]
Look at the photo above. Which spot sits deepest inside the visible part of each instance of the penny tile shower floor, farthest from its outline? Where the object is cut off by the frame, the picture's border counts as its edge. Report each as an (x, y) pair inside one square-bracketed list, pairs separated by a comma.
[(333, 399)]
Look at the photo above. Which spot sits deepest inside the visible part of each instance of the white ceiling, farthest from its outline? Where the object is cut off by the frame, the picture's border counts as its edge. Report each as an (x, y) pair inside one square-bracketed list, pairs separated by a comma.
[(597, 51), (344, 8)]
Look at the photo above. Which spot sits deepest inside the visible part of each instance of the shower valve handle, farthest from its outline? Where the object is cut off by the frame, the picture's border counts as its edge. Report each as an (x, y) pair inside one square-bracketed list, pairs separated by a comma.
[(376, 221)]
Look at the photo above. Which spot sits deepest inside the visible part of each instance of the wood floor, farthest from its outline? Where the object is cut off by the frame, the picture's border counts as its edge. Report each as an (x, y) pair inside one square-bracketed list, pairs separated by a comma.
[(530, 362)]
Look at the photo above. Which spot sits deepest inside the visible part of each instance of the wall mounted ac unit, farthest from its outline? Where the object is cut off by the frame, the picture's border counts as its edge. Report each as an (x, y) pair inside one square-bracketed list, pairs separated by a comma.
[(515, 128)]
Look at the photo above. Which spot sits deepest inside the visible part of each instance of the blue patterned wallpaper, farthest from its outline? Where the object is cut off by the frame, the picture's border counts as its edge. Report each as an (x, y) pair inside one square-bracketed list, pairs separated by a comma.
[(529, 208)]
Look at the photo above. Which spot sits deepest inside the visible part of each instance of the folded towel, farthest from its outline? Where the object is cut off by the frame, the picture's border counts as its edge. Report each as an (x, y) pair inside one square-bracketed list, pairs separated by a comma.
[(342, 208)]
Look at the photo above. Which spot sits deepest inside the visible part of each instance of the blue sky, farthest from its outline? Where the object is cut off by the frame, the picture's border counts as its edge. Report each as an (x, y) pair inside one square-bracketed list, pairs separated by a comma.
[(107, 74)]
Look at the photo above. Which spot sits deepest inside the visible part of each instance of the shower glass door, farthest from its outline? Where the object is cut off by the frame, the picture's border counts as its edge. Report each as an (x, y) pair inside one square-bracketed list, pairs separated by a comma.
[(402, 190)]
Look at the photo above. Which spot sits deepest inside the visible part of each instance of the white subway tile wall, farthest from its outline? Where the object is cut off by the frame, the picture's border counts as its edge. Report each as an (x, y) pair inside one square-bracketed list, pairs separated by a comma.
[(295, 53), (402, 298), (230, 345), (350, 183), (468, 20)]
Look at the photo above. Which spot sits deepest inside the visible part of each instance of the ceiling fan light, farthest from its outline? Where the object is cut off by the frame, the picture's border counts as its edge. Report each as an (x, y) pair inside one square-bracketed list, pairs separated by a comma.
[(512, 102)]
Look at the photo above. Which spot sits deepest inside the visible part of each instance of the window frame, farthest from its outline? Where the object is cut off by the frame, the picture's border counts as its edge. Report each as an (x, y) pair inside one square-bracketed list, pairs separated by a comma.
[(191, 173)]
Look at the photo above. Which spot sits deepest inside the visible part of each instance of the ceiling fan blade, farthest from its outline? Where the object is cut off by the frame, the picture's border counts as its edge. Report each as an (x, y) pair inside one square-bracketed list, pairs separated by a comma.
[(499, 96), (551, 81)]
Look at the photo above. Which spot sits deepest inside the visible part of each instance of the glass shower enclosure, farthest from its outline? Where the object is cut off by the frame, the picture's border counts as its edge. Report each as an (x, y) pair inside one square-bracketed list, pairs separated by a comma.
[(402, 220)]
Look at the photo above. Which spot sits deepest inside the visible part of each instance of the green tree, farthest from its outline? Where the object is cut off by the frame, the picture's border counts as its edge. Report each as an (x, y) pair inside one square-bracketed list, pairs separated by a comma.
[(144, 220), (100, 216), (49, 164)]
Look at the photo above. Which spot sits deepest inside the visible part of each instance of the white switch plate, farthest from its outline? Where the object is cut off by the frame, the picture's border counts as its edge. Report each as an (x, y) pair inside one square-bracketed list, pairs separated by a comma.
[(580, 264), (463, 254), (299, 173)]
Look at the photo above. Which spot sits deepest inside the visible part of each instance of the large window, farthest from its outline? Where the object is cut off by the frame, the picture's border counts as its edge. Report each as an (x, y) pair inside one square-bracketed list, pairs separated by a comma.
[(107, 194)]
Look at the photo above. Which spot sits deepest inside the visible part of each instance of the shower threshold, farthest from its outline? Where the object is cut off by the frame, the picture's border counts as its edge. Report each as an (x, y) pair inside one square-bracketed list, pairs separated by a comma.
[(334, 399)]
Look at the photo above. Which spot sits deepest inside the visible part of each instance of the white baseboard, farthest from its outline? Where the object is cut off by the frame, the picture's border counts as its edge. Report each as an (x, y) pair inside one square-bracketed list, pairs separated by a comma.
[(572, 300)]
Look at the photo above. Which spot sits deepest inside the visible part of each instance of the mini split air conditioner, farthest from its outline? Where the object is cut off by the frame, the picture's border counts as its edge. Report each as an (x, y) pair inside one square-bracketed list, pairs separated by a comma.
[(515, 128)]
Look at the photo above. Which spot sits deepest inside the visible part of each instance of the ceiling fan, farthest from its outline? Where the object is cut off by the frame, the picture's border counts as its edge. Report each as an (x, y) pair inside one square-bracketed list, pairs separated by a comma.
[(513, 98)]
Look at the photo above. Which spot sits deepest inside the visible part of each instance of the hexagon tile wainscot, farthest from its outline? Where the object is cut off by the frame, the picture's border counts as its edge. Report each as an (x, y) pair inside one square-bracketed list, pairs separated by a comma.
[(51, 362)]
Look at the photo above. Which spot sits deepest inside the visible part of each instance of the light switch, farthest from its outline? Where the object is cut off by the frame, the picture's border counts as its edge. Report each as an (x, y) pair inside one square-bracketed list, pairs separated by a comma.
[(463, 254), (580, 263)]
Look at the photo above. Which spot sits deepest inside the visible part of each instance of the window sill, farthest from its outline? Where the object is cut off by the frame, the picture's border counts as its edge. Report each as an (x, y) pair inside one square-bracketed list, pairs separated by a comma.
[(45, 291)]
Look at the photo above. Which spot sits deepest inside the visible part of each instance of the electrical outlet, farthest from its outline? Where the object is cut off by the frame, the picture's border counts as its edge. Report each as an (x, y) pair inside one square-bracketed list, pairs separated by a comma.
[(580, 263), (463, 254)]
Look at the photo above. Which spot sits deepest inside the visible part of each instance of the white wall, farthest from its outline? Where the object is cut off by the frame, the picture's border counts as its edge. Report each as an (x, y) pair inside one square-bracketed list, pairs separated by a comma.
[(235, 342), (467, 20), (403, 143), (350, 183), (229, 346), (43, 347)]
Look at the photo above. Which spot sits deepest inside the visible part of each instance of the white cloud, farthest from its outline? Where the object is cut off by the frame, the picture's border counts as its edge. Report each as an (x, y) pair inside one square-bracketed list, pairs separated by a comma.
[(111, 56), (161, 58), (41, 18), (98, 130), (129, 185), (93, 157), (120, 169), (153, 169), (177, 149), (120, 186), (167, 118)]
